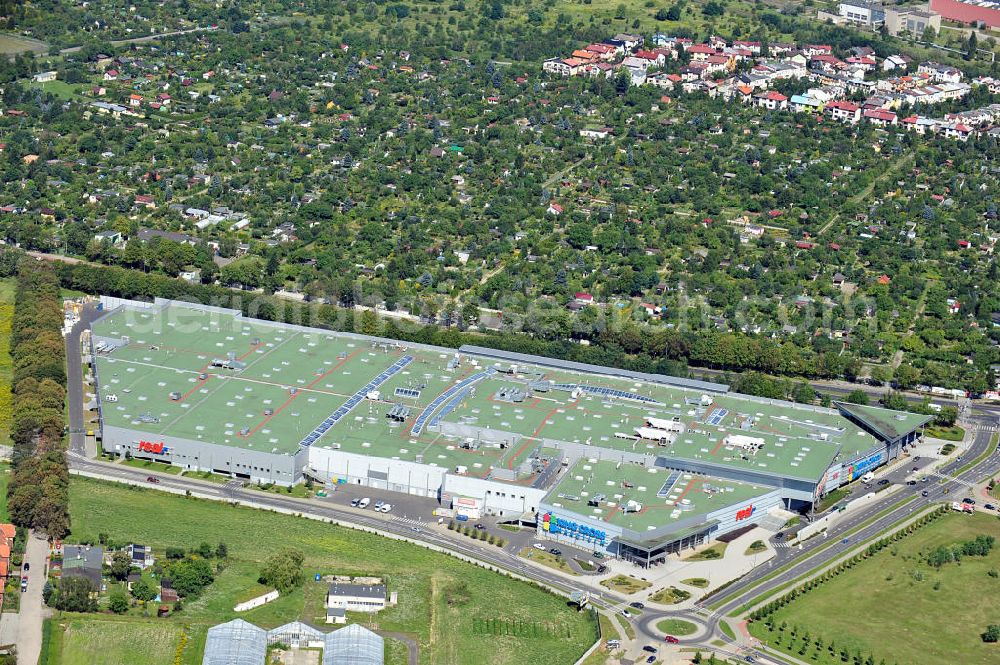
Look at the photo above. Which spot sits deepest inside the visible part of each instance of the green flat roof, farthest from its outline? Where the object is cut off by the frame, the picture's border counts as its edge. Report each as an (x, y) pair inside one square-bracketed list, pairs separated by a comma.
[(662, 496), (888, 423), (170, 348)]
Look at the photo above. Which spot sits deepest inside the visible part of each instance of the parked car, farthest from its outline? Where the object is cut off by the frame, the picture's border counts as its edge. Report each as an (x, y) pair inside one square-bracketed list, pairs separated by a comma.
[(555, 551), (364, 502), (598, 554), (670, 639), (27, 566), (602, 569), (378, 505), (24, 584), (355, 502), (969, 501), (650, 649), (152, 479), (386, 507), (651, 659), (988, 506), (539, 546)]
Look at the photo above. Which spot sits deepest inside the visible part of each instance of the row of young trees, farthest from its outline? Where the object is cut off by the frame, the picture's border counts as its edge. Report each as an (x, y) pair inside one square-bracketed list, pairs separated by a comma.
[(800, 641), (38, 493)]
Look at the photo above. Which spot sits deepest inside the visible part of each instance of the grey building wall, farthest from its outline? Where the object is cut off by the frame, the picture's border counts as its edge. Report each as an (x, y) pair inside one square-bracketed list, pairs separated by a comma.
[(253, 465)]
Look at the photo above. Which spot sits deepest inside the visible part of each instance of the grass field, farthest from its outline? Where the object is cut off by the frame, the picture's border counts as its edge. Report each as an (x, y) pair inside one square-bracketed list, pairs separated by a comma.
[(14, 44), (60, 89), (86, 641), (677, 627), (440, 598), (953, 604), (6, 368)]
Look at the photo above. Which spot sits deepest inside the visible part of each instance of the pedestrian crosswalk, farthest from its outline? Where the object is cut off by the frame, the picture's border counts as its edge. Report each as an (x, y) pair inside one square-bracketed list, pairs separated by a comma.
[(987, 427)]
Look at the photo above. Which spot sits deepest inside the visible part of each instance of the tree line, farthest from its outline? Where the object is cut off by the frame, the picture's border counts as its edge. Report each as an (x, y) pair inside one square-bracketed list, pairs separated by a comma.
[(627, 346), (38, 493)]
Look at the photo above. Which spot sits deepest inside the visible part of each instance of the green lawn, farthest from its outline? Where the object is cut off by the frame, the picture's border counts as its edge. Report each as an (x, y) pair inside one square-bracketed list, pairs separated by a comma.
[(60, 89), (150, 465), (150, 642), (953, 433), (6, 363), (670, 596), (699, 582), (890, 604), (546, 559), (441, 600), (677, 627), (625, 584), (716, 551), (4, 479)]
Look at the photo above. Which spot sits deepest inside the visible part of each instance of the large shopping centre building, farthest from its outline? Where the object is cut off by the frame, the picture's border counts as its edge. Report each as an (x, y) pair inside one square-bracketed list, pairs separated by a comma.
[(636, 464)]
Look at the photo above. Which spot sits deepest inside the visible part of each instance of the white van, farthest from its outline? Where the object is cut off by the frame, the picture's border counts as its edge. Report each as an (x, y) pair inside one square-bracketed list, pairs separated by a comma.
[(364, 502), (868, 477)]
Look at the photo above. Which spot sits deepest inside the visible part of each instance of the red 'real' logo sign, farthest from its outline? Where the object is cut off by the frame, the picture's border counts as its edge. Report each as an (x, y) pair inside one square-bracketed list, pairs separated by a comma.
[(150, 447), (744, 513)]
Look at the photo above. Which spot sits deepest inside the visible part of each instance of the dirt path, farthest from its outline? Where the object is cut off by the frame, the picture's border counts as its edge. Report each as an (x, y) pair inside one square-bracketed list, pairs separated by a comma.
[(901, 163), (413, 649)]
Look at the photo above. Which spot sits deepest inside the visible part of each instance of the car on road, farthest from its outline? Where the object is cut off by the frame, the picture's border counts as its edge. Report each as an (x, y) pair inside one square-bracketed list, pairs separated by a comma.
[(651, 659), (911, 483), (480, 527), (152, 479), (598, 554), (883, 481), (637, 605), (748, 659), (780, 535), (602, 569), (988, 506), (969, 501), (27, 566), (539, 546), (670, 639), (555, 551), (924, 493), (649, 649), (626, 614), (916, 468), (845, 541)]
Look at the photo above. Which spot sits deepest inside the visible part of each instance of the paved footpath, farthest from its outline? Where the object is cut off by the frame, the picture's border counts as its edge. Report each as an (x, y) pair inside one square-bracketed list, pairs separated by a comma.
[(32, 614)]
